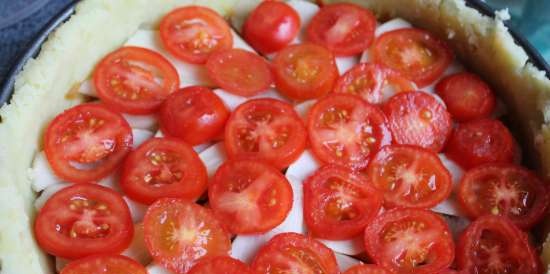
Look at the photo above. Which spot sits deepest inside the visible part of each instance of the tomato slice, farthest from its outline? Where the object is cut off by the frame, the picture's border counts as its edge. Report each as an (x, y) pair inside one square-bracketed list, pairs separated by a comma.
[(294, 253), (135, 80), (304, 71), (194, 114), (345, 130), (265, 129), (492, 244), (104, 264), (373, 82), (416, 54), (271, 26), (86, 143), (163, 168), (467, 97), (505, 190), (192, 33), (249, 196), (367, 269), (91, 217), (480, 142), (417, 118), (345, 29), (239, 71), (179, 233), (339, 204), (215, 265), (410, 241)]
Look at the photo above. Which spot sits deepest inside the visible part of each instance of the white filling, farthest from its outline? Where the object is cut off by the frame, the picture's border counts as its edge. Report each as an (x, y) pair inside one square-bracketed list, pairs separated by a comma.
[(47, 193), (137, 249), (213, 157), (140, 136), (303, 108), (41, 174), (353, 246), (450, 205), (345, 262), (306, 10), (154, 268), (148, 122), (303, 167), (240, 12), (137, 210)]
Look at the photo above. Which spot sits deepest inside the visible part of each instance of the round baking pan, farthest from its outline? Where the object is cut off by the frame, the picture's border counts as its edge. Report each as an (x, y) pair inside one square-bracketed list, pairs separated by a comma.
[(6, 88)]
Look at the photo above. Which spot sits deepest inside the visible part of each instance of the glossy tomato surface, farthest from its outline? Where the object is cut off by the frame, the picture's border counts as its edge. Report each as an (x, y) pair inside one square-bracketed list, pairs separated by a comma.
[(86, 143), (91, 217), (104, 264), (135, 80), (223, 263)]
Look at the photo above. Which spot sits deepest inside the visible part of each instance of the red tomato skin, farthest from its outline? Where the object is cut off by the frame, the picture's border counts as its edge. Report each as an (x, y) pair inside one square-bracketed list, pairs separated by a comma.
[(323, 258), (472, 179), (517, 243), (329, 15), (194, 114), (467, 97), (62, 167), (367, 269), (481, 142), (103, 84), (214, 265), (120, 232), (429, 119), (104, 264), (271, 26), (317, 195)]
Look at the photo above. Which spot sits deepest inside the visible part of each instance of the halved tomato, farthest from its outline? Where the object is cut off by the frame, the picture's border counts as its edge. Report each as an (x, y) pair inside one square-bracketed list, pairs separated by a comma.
[(409, 176), (223, 263), (304, 71), (479, 142), (271, 26), (410, 241), (417, 118), (505, 190), (338, 204), (239, 71), (179, 233), (294, 253), (192, 33), (86, 143), (373, 82), (492, 244), (104, 264), (345, 29), (367, 269), (416, 54), (91, 217), (266, 129), (467, 97), (249, 196), (163, 168), (135, 80), (345, 130), (194, 114)]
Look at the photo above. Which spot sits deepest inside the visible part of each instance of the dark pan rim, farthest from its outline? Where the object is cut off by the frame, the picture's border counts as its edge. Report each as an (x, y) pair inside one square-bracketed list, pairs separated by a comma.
[(7, 86)]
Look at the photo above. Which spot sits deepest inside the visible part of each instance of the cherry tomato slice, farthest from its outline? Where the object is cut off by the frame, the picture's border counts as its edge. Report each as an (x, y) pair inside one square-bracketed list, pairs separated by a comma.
[(345, 29), (271, 26), (192, 33), (135, 80), (104, 264), (179, 233), (415, 53), (91, 217), (410, 241), (215, 265), (266, 129), (409, 176), (304, 71), (367, 269), (467, 97), (294, 253), (505, 190), (339, 204), (86, 143), (194, 114), (417, 118), (373, 82), (345, 130), (239, 71), (163, 168), (479, 142), (249, 196), (492, 244)]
